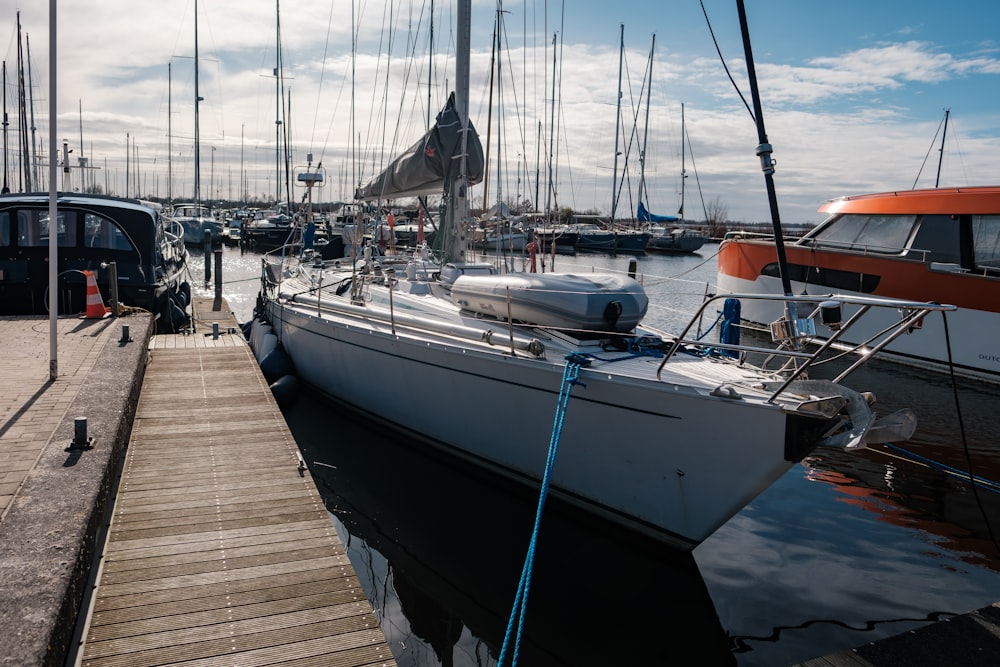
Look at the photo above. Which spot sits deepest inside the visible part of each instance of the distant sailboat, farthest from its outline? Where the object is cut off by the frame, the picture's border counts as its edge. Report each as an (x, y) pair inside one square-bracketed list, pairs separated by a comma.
[(678, 238), (623, 238), (196, 218)]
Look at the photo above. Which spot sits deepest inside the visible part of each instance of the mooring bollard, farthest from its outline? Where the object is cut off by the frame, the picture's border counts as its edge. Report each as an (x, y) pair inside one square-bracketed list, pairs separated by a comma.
[(207, 245), (80, 429), (113, 283), (215, 331), (218, 279), (80, 439)]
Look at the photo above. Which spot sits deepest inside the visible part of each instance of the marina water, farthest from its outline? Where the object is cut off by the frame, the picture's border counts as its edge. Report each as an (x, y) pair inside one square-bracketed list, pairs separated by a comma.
[(846, 549)]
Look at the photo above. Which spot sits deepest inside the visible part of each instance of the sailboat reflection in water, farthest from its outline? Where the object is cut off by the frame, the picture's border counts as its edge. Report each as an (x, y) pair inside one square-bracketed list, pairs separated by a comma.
[(438, 545)]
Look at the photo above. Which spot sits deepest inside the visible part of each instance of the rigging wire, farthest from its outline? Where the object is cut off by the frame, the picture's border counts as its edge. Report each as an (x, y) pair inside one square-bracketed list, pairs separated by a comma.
[(725, 67), (322, 75), (701, 195), (929, 149), (965, 441)]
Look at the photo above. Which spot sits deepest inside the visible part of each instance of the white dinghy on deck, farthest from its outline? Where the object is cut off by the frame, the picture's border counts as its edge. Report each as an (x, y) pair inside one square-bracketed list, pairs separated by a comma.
[(601, 302)]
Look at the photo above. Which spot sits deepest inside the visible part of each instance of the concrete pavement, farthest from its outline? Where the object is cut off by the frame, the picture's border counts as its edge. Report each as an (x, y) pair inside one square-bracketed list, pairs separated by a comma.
[(53, 500)]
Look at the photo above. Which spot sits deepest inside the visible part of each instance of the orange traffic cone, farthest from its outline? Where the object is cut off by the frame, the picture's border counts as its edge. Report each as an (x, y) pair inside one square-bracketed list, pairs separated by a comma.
[(95, 304)]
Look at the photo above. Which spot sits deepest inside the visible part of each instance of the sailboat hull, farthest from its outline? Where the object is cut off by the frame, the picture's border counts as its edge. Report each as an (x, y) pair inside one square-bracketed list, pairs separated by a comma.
[(670, 461)]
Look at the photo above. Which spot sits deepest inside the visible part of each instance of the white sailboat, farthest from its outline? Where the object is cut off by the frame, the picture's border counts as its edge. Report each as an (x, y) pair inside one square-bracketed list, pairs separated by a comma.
[(659, 433), (673, 235)]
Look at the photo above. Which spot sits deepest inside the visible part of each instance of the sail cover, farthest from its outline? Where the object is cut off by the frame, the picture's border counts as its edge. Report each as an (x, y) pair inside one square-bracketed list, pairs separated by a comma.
[(645, 216), (427, 165)]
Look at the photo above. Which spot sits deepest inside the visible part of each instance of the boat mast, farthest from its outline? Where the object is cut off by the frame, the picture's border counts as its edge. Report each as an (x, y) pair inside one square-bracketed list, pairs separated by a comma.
[(170, 150), (22, 113), (430, 67), (618, 120), (31, 113), (684, 175), (645, 130), (6, 187), (197, 99), (286, 151), (552, 124), (80, 158), (937, 180), (489, 115), (277, 103), (243, 173), (766, 162), (458, 191)]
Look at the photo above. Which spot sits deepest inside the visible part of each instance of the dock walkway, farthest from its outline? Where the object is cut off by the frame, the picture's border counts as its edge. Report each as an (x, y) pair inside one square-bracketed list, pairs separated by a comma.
[(220, 549), (216, 549)]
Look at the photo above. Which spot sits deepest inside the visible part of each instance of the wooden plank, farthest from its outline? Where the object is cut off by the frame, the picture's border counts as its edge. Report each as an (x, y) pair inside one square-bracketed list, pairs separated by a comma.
[(338, 590), (220, 549), (123, 598), (126, 558)]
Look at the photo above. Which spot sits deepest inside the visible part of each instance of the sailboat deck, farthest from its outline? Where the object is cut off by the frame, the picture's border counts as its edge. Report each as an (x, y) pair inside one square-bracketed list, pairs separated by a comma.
[(220, 550)]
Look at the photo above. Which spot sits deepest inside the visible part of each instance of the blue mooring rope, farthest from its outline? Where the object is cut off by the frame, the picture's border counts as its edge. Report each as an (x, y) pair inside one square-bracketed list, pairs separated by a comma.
[(571, 375), (729, 331)]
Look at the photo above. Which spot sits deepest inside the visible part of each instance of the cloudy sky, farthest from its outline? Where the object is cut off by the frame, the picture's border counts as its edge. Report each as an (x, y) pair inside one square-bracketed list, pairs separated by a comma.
[(854, 95)]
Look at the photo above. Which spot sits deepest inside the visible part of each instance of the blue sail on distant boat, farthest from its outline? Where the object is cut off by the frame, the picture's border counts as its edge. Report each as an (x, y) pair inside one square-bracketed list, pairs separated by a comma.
[(645, 216)]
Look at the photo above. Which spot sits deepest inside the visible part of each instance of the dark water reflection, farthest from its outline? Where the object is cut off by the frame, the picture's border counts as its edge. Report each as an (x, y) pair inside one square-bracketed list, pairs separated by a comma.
[(853, 547), (440, 547)]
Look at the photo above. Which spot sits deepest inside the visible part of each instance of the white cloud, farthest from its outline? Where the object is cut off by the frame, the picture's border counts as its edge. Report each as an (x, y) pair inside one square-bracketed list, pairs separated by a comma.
[(839, 124), (869, 70)]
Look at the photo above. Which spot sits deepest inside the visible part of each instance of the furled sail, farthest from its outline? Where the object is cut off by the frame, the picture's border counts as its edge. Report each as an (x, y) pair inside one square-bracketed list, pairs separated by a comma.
[(427, 165), (645, 216)]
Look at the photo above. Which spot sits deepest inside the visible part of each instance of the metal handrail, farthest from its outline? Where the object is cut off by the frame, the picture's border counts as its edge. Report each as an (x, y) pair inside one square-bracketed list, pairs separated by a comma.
[(912, 312)]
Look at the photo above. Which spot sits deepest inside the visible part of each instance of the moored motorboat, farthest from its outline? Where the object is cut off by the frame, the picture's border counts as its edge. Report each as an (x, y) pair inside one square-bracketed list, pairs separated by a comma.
[(940, 245), (268, 233), (676, 239), (558, 240), (96, 233), (503, 236), (197, 221), (591, 237), (629, 240)]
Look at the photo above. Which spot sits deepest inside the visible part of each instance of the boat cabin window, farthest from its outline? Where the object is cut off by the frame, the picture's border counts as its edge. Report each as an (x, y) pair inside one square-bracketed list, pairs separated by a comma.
[(986, 241), (100, 232), (885, 234), (33, 228), (937, 240)]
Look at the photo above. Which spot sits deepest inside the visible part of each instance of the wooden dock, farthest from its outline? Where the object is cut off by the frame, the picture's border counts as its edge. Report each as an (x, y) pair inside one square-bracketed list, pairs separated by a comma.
[(220, 550)]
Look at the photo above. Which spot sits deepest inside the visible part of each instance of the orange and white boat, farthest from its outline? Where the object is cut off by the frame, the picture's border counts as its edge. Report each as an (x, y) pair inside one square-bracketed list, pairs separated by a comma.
[(940, 245)]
